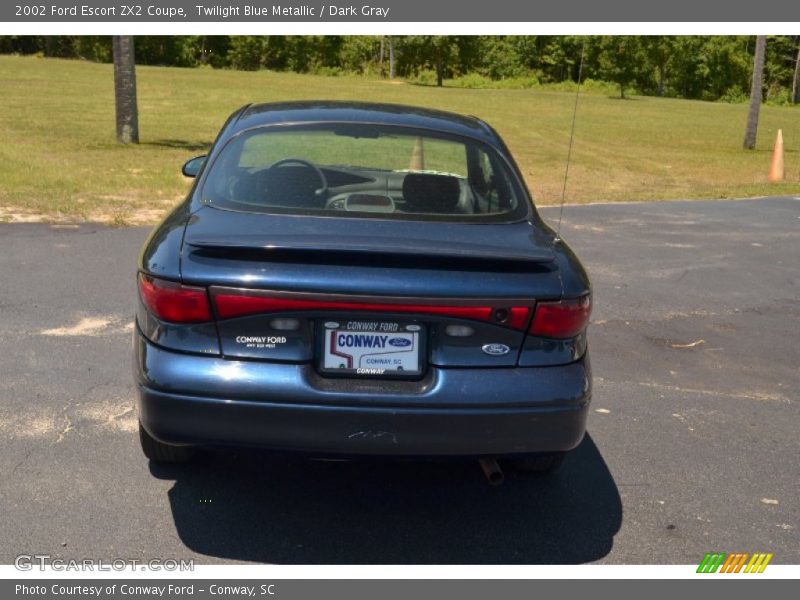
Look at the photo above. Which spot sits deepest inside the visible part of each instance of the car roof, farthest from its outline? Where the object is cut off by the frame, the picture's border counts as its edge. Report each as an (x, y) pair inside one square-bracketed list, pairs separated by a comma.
[(331, 111)]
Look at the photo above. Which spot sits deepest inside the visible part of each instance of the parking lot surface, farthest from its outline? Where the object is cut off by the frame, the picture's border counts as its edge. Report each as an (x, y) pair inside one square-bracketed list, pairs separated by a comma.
[(692, 444)]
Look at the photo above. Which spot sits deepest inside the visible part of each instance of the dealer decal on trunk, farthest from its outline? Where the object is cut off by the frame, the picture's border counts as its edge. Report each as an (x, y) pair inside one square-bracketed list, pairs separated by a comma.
[(260, 341)]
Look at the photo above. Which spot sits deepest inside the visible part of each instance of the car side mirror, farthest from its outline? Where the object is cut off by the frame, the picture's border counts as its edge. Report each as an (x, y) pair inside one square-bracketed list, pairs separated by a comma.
[(192, 166)]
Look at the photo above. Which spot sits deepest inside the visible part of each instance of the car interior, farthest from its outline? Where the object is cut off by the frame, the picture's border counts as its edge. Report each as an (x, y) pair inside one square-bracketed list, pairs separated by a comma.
[(298, 183)]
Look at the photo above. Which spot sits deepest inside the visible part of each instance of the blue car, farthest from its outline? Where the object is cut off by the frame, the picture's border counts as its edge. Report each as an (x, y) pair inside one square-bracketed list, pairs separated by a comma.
[(353, 279)]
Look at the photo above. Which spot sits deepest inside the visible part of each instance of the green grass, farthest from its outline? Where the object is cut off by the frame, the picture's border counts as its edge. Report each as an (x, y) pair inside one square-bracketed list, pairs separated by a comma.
[(325, 148), (58, 156)]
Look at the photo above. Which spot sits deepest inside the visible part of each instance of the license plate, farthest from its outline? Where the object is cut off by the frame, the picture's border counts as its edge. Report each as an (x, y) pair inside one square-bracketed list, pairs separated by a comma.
[(367, 348)]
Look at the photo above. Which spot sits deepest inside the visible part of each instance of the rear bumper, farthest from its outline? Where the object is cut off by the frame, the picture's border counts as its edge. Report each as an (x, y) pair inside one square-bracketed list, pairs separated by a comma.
[(199, 400)]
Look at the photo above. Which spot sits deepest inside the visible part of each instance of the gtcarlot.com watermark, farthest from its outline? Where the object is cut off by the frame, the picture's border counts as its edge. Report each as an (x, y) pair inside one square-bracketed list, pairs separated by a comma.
[(42, 562)]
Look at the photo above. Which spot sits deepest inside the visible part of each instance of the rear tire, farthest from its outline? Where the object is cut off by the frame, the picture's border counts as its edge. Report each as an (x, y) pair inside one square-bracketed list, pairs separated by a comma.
[(164, 453), (542, 464)]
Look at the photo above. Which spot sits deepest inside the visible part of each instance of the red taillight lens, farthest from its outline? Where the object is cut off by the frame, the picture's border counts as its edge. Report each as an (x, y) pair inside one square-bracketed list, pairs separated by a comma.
[(564, 319), (173, 302), (236, 305), (518, 317)]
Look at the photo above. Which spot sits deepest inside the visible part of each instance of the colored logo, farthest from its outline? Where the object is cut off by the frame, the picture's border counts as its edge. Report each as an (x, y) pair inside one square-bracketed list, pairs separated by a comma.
[(739, 562), (400, 342)]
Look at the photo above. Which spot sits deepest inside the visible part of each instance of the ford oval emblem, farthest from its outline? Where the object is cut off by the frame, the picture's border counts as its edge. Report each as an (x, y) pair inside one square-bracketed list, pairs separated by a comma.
[(400, 342), (496, 349)]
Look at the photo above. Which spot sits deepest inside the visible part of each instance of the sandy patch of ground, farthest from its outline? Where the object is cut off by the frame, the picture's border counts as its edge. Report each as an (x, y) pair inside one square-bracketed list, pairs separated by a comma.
[(122, 216), (114, 416), (91, 326), (11, 214)]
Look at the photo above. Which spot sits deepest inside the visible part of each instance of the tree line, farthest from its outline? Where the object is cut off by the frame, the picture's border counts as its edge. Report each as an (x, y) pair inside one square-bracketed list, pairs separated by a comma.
[(695, 67)]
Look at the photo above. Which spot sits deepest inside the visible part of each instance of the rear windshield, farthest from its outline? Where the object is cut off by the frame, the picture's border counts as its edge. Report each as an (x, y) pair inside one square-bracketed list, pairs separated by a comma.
[(362, 171)]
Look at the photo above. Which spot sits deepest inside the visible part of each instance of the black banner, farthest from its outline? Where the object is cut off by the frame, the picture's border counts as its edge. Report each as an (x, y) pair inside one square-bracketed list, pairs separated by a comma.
[(333, 589), (397, 11)]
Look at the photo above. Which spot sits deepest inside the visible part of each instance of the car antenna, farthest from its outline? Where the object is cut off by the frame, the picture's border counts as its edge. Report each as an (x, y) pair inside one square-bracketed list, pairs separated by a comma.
[(571, 137)]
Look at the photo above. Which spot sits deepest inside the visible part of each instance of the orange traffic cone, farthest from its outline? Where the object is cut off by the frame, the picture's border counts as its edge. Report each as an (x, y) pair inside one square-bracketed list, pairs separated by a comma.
[(776, 170)]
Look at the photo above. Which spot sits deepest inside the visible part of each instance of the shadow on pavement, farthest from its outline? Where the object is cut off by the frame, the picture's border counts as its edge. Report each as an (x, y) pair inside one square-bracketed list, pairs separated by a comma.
[(255, 507), (193, 146)]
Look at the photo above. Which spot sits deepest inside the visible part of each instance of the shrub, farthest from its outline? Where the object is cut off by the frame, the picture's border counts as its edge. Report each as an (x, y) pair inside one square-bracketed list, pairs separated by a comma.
[(734, 95)]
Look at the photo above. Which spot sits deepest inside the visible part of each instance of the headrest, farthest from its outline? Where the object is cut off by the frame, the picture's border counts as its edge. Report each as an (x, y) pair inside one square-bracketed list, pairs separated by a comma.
[(291, 186), (429, 193)]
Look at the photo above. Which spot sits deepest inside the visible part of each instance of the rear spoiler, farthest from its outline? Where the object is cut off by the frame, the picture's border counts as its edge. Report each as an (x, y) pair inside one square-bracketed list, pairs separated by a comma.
[(367, 246)]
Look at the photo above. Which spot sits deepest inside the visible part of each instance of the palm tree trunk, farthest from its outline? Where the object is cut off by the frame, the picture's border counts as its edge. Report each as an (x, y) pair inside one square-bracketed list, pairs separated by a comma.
[(796, 80), (125, 90), (751, 130), (391, 58)]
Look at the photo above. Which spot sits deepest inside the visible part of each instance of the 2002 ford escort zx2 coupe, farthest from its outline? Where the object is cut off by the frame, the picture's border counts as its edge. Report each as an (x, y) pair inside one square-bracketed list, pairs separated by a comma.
[(350, 279)]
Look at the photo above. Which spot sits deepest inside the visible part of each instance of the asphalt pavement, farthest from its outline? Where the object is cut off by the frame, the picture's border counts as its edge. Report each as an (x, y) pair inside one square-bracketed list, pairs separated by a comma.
[(692, 445)]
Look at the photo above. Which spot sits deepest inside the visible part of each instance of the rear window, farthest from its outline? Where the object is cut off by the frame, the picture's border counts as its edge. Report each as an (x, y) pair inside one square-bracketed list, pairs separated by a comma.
[(362, 171)]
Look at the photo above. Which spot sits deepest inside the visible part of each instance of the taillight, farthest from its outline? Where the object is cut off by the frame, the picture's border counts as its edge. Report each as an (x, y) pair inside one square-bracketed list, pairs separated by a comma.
[(174, 302), (563, 319), (238, 304)]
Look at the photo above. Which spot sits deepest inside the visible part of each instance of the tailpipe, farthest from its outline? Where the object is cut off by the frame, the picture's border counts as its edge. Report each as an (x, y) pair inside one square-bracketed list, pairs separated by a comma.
[(494, 474)]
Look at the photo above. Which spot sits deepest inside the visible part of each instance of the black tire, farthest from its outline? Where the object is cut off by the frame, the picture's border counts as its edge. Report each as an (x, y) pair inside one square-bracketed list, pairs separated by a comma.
[(163, 453), (541, 464)]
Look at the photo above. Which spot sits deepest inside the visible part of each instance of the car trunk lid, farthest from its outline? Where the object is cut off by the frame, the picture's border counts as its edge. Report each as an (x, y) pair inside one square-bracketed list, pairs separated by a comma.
[(374, 256)]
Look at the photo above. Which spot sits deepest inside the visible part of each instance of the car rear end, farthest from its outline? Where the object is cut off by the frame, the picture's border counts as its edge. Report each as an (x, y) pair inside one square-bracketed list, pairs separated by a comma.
[(486, 357), (340, 334)]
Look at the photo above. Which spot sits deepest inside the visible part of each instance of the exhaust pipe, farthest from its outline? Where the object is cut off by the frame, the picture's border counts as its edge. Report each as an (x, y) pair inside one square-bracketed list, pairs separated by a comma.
[(494, 474)]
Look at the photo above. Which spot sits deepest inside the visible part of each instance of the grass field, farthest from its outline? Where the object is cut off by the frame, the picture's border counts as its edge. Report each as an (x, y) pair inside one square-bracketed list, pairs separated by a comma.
[(59, 160)]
